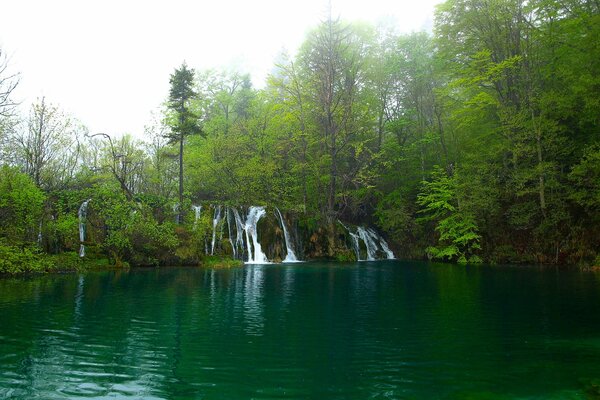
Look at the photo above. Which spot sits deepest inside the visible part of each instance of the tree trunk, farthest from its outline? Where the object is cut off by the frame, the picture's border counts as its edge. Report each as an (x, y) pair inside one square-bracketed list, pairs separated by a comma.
[(541, 177), (180, 209), (538, 144)]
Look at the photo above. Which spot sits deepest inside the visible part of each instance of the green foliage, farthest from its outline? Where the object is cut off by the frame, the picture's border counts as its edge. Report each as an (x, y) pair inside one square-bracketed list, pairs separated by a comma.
[(181, 93), (131, 232), (15, 259), (345, 255), (63, 232), (478, 141), (220, 262), (437, 196), (586, 177), (21, 206), (458, 237), (394, 215), (458, 240)]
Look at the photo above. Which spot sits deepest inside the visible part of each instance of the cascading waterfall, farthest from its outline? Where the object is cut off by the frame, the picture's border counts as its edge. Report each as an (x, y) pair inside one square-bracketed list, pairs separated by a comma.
[(355, 242), (370, 239), (386, 249), (82, 228), (176, 212), (239, 227), (233, 248), (197, 212), (254, 215), (239, 230), (39, 237), (291, 256), (370, 243), (216, 220)]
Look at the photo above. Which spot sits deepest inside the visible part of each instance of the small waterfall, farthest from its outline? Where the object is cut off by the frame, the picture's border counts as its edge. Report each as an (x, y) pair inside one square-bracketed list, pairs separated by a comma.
[(39, 237), (254, 215), (239, 235), (370, 239), (216, 220), (291, 256), (355, 242), (386, 249), (197, 211), (82, 229), (370, 243), (229, 218), (176, 212)]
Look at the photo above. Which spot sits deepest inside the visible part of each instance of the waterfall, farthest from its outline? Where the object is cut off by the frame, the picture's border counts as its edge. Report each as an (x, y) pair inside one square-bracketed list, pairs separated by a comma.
[(39, 237), (355, 242), (197, 211), (386, 249), (216, 220), (233, 248), (239, 235), (176, 212), (370, 243), (370, 239), (82, 219), (254, 215), (291, 256)]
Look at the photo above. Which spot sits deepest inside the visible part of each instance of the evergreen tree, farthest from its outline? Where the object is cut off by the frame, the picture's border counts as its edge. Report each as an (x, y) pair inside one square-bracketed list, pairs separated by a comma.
[(185, 120)]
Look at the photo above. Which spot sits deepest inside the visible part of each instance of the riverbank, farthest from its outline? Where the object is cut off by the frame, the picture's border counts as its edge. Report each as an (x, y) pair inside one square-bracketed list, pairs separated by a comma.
[(31, 260), (16, 261)]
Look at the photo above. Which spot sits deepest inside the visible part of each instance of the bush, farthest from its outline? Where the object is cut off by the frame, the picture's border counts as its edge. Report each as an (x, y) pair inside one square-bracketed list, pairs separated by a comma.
[(21, 206), (14, 260), (220, 262)]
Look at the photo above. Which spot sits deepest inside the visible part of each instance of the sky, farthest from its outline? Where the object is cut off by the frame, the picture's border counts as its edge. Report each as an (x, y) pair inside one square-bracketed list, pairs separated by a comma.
[(108, 62)]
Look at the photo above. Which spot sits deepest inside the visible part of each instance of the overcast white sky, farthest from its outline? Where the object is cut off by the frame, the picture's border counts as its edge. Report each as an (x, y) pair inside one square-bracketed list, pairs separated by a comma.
[(107, 62)]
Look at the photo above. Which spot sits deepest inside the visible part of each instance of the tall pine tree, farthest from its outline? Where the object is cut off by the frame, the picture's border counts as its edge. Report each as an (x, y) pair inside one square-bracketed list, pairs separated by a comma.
[(185, 121)]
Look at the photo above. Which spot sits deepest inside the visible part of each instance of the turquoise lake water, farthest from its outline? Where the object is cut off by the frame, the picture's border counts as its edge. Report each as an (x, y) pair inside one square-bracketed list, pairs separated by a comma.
[(380, 330)]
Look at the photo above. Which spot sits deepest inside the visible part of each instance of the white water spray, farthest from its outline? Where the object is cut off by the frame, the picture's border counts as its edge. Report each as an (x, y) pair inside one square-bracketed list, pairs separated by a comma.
[(370, 238), (229, 213), (39, 237), (82, 228), (355, 242), (291, 256), (254, 215), (216, 220), (370, 243), (239, 235), (197, 212), (386, 249)]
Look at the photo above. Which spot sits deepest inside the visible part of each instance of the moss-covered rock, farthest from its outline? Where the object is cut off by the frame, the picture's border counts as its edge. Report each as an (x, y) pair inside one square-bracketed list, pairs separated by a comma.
[(220, 262)]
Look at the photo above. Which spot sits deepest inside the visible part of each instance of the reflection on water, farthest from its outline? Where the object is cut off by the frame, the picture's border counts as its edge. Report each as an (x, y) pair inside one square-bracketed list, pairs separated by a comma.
[(309, 331), (253, 297)]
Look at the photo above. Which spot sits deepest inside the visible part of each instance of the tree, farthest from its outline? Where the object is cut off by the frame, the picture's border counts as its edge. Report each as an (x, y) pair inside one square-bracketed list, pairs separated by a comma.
[(333, 60), (458, 233), (125, 160), (226, 100), (184, 121), (8, 83), (163, 169), (48, 146), (21, 206)]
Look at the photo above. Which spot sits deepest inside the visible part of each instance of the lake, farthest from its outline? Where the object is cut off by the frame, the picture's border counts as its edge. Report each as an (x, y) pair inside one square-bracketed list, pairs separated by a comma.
[(372, 330)]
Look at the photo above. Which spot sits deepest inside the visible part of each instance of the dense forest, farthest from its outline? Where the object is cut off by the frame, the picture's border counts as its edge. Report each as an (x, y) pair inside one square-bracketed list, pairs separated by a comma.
[(479, 142)]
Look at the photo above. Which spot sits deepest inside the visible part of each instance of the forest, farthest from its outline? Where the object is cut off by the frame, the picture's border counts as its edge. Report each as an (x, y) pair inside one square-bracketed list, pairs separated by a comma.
[(477, 142)]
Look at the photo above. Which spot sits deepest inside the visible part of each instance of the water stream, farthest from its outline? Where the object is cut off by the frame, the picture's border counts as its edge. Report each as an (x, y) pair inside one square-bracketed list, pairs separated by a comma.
[(257, 256), (291, 255), (82, 213)]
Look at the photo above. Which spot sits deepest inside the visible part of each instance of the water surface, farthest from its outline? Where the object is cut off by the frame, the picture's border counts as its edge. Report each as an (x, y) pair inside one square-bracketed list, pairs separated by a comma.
[(384, 330)]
